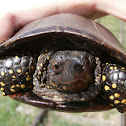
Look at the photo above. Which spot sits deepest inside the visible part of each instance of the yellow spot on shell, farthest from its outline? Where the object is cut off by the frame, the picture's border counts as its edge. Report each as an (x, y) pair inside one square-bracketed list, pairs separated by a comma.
[(4, 94), (34, 88), (48, 58), (26, 73), (19, 70), (123, 68), (39, 72), (10, 71), (13, 76), (99, 76), (23, 86), (41, 65), (2, 73), (34, 83), (116, 95), (123, 101), (44, 68), (115, 68), (18, 85), (111, 97), (107, 63), (2, 89), (82, 99), (97, 58), (13, 86), (103, 78), (38, 67), (16, 57), (2, 84), (28, 78), (47, 86), (116, 101), (107, 87), (114, 85), (12, 90), (111, 68), (24, 60)]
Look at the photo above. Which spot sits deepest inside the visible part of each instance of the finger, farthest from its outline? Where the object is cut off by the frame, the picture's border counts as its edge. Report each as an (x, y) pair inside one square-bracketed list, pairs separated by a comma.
[(42, 8), (7, 27), (116, 8), (20, 13)]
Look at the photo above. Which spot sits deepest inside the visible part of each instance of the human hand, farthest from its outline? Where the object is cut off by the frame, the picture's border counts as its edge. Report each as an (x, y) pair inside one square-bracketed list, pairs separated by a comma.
[(16, 14)]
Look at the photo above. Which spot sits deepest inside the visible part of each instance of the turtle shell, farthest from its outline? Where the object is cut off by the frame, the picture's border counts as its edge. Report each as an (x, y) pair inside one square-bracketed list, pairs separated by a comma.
[(82, 34), (65, 32)]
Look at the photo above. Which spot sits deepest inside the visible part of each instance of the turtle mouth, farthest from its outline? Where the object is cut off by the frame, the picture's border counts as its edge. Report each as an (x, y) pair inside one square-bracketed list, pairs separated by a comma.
[(57, 96), (74, 87)]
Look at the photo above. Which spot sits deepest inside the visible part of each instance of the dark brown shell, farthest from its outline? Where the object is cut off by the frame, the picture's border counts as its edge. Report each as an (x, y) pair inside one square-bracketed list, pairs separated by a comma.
[(83, 32)]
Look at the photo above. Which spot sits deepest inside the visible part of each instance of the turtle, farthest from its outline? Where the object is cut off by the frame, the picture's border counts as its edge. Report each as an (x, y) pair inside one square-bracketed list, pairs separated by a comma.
[(64, 62)]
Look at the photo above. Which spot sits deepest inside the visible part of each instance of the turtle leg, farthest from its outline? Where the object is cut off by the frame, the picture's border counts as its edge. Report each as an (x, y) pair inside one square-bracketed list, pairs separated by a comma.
[(16, 73), (114, 82)]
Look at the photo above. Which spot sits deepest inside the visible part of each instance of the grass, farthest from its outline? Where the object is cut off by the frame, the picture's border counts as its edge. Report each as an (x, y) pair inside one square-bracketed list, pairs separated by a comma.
[(113, 24), (54, 120), (82, 119), (9, 116)]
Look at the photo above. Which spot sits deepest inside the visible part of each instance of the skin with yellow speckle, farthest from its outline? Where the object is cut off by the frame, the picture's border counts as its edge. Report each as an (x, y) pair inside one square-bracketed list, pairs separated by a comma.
[(15, 82), (114, 81)]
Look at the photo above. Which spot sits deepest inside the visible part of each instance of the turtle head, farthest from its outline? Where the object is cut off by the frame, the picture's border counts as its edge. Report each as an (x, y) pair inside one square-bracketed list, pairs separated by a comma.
[(67, 76), (71, 71)]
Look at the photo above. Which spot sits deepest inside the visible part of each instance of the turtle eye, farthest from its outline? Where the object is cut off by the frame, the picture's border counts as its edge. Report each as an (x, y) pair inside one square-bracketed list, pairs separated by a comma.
[(56, 66)]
